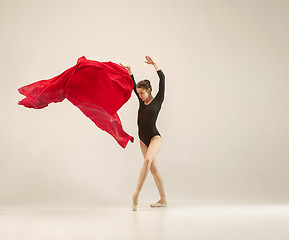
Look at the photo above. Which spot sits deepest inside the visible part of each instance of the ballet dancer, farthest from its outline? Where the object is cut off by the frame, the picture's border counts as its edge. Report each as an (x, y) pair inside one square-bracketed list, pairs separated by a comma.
[(150, 138)]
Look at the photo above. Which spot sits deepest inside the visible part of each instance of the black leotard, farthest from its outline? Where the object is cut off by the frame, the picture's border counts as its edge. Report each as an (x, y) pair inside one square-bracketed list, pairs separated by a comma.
[(147, 114)]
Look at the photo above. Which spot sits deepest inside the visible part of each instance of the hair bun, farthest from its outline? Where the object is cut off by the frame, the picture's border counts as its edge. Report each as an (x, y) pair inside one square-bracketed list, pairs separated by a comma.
[(144, 84)]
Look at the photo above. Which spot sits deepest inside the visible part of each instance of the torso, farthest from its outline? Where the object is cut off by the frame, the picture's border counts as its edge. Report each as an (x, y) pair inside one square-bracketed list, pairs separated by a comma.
[(147, 116), (148, 113)]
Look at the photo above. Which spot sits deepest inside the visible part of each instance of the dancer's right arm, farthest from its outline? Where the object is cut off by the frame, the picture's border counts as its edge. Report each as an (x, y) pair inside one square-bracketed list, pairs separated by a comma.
[(132, 77), (134, 87)]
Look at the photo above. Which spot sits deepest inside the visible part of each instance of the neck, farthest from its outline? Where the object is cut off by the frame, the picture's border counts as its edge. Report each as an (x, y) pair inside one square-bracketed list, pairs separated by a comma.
[(149, 99)]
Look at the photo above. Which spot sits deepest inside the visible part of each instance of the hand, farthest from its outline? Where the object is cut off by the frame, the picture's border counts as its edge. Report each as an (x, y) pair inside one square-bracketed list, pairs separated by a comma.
[(127, 67), (149, 60)]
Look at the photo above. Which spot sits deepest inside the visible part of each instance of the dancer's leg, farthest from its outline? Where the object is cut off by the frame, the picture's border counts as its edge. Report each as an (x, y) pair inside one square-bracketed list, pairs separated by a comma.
[(149, 153), (143, 148), (159, 182), (156, 174)]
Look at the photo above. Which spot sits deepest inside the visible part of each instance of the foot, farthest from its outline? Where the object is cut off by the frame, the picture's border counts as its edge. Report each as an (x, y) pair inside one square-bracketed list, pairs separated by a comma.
[(135, 200), (161, 203)]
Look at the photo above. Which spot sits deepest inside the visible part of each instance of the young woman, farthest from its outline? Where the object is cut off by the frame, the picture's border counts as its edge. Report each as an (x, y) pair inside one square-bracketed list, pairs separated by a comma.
[(150, 138)]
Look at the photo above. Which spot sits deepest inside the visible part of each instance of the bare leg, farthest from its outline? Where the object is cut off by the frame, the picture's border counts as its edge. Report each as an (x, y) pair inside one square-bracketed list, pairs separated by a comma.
[(159, 183), (156, 174), (150, 155)]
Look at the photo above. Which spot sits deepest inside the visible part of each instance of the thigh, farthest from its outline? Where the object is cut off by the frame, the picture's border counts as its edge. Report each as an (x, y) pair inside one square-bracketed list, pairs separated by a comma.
[(143, 148), (153, 148)]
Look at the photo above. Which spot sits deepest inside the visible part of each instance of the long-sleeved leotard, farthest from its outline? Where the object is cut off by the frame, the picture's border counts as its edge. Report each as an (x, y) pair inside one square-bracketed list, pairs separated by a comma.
[(147, 114)]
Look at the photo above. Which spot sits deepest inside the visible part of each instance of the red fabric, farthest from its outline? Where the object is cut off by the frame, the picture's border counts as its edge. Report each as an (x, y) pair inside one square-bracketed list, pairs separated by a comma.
[(98, 89)]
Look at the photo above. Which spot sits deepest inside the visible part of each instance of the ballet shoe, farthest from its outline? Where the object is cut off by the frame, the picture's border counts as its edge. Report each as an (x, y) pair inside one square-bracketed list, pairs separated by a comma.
[(135, 200), (156, 204)]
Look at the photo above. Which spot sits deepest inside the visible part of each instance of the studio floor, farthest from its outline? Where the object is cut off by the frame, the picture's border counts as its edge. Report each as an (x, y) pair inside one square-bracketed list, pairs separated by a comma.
[(177, 221)]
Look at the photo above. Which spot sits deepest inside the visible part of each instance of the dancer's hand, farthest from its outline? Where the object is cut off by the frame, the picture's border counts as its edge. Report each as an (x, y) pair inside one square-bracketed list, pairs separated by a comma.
[(127, 67), (149, 60)]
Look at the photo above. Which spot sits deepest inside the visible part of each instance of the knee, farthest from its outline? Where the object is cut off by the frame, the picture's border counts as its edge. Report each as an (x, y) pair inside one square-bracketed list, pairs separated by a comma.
[(148, 161), (153, 170)]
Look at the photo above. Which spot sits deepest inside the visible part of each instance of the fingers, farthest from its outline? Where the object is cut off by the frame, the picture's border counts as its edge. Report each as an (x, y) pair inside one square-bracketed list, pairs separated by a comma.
[(148, 58), (123, 65)]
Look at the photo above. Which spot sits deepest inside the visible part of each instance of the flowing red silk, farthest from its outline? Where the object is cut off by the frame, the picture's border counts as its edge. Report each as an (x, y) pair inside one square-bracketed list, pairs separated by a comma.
[(98, 89)]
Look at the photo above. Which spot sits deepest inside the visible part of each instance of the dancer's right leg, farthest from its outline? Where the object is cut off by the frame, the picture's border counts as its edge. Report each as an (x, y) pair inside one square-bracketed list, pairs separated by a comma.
[(144, 149), (149, 156), (156, 175)]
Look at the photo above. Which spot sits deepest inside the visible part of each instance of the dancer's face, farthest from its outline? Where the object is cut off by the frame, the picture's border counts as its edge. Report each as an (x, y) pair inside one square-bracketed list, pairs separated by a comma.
[(143, 93)]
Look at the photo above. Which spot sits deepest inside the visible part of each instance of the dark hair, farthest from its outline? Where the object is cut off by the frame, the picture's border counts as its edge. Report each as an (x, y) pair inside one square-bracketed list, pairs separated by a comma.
[(146, 84)]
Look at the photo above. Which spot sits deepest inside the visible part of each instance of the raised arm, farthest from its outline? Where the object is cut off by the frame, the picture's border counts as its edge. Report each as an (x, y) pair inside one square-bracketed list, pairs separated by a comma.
[(131, 75), (161, 93), (134, 87)]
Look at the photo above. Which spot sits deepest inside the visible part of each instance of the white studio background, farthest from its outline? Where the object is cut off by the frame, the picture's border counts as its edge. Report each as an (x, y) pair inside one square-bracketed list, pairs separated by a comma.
[(224, 120)]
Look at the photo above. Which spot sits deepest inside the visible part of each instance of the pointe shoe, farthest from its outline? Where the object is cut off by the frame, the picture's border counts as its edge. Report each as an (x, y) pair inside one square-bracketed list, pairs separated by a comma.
[(156, 204), (135, 200), (134, 207)]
